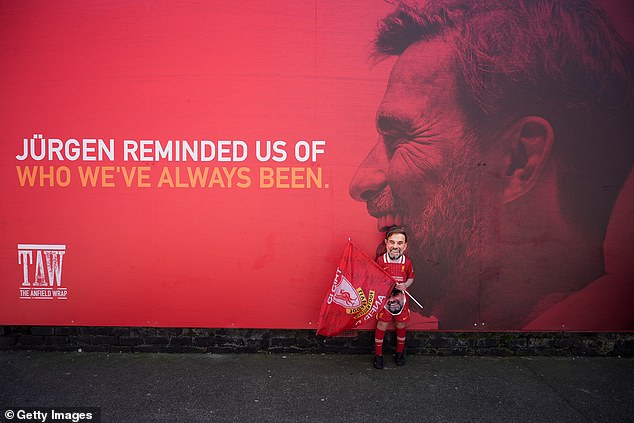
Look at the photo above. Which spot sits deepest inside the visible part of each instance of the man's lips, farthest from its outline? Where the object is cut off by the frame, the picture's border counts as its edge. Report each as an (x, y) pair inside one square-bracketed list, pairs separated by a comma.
[(386, 209)]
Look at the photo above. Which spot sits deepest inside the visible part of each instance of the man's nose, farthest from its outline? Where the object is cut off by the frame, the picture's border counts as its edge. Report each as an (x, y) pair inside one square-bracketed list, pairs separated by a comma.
[(371, 176)]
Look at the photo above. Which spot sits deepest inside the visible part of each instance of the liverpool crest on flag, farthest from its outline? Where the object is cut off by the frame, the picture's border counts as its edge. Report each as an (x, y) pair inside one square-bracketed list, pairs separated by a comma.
[(357, 293)]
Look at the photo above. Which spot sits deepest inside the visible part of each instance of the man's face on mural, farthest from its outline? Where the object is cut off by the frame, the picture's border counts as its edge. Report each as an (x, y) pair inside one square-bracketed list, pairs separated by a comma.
[(420, 173)]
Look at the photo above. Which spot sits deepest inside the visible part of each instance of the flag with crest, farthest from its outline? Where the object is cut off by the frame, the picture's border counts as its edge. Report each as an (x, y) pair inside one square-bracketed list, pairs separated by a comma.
[(358, 291)]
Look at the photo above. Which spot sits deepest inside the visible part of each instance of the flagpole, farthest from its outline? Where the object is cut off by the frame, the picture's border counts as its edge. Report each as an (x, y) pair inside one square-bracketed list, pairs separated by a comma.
[(413, 299)]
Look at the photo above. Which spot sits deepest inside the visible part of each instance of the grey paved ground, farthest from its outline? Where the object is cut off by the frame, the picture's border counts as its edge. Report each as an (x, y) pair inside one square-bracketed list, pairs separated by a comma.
[(321, 388)]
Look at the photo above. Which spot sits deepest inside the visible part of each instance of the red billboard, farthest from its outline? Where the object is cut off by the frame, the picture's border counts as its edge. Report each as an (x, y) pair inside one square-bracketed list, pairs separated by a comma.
[(204, 164)]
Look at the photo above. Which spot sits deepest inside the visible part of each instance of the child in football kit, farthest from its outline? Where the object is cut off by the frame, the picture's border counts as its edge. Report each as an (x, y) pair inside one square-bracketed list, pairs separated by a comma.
[(396, 309)]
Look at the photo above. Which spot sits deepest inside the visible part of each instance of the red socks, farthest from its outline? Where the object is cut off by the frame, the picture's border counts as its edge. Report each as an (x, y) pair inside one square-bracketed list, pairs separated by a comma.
[(378, 341), (379, 335), (400, 339)]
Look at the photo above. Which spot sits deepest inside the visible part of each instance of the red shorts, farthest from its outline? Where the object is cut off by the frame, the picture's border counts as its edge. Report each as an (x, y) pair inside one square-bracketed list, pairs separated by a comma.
[(386, 316)]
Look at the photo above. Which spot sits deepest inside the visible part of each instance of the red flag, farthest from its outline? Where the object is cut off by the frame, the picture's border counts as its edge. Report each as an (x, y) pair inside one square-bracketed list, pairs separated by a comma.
[(358, 292)]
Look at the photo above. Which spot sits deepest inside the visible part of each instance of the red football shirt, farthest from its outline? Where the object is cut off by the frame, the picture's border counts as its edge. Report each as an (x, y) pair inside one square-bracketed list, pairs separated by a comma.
[(401, 270)]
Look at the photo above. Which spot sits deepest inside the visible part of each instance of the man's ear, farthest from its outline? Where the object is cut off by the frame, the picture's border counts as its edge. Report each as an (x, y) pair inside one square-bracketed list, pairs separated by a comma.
[(527, 147)]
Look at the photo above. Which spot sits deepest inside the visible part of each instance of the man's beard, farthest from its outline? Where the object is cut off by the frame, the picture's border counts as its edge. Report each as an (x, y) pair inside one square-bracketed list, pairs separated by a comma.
[(445, 243), (394, 255)]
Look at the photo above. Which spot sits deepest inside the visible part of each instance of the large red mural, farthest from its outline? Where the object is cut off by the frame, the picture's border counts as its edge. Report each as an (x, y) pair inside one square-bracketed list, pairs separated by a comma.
[(204, 165)]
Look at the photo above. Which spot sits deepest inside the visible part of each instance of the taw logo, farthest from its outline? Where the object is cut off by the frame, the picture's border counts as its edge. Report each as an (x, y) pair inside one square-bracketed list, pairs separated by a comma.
[(42, 267)]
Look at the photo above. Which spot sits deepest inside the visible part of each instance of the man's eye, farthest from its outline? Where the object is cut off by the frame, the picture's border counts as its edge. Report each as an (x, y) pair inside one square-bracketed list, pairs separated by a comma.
[(392, 143), (420, 139)]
